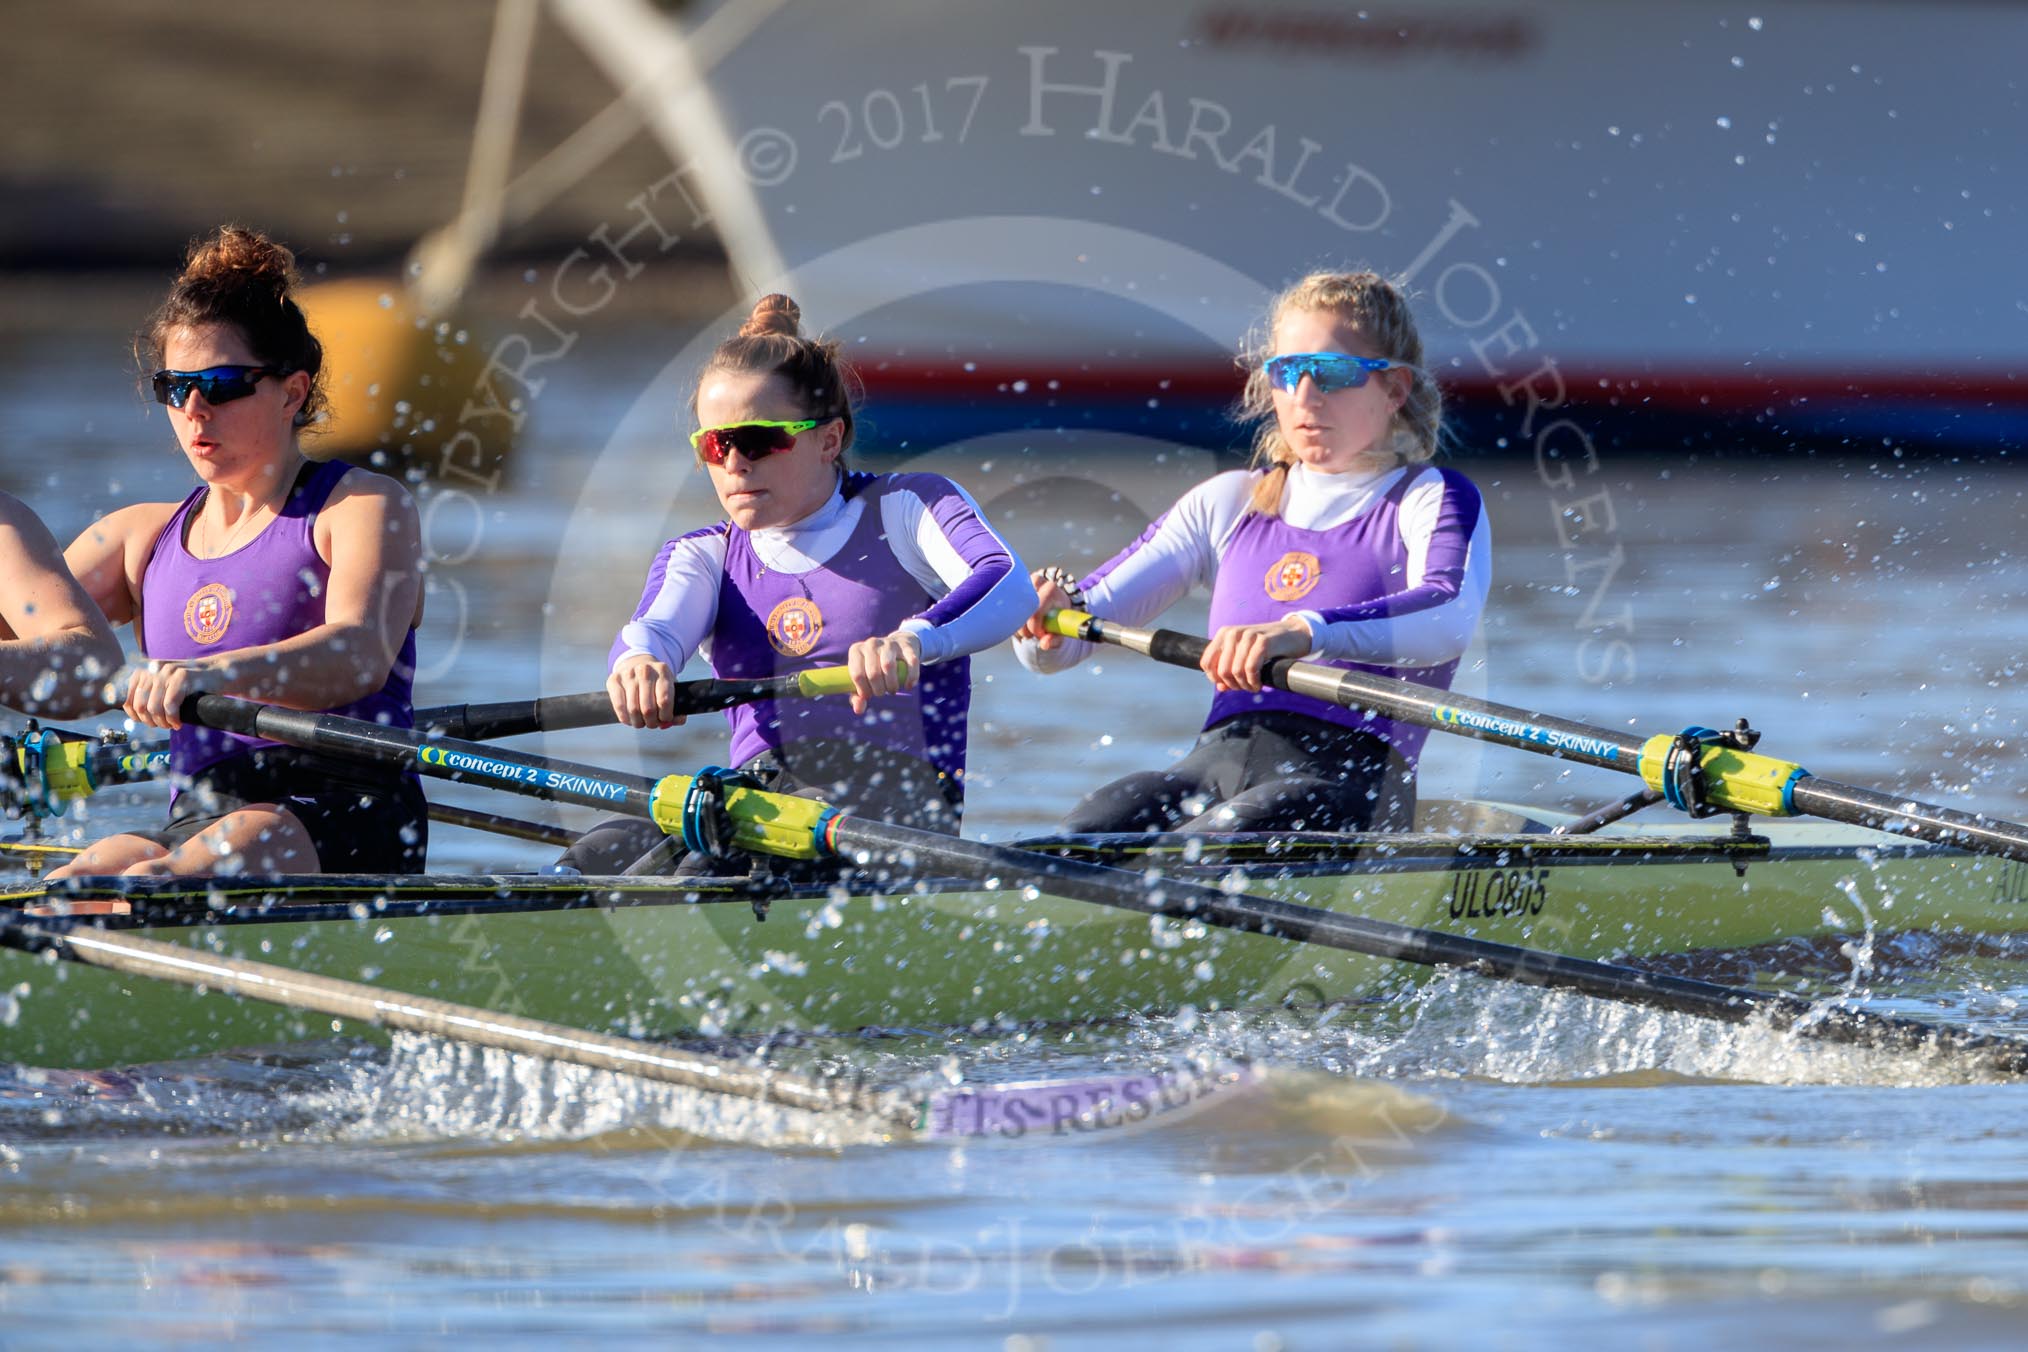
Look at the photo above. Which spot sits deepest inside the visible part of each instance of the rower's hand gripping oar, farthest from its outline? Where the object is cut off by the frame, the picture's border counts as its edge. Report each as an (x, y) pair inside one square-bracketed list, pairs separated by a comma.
[(1696, 770), (699, 807), (594, 708), (53, 767)]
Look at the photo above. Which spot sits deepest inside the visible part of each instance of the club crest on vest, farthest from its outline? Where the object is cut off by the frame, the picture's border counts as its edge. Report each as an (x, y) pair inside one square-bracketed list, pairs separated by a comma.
[(794, 626), (1293, 576), (208, 613)]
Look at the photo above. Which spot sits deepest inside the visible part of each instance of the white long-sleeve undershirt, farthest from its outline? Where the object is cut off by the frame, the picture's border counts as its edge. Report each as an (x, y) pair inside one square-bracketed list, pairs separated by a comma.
[(675, 622), (1182, 549)]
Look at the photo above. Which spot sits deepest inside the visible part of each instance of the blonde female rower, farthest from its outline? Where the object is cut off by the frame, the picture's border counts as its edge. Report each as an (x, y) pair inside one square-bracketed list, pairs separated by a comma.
[(1342, 544)]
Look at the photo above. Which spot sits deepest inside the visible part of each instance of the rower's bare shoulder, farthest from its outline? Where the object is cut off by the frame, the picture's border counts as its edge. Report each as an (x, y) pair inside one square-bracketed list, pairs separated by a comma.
[(109, 556), (368, 501), (361, 485), (28, 551), (136, 524)]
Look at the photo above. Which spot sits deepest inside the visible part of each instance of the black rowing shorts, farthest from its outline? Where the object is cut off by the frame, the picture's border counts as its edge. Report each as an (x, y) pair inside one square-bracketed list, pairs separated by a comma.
[(1270, 771), (359, 820)]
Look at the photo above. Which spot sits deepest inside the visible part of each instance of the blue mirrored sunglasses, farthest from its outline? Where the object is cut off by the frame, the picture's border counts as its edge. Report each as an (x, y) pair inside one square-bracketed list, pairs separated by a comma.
[(1331, 370), (218, 384)]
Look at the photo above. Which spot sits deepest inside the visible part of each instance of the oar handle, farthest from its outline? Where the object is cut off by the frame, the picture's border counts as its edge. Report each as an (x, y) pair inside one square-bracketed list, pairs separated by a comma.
[(594, 708), (512, 718), (1178, 649)]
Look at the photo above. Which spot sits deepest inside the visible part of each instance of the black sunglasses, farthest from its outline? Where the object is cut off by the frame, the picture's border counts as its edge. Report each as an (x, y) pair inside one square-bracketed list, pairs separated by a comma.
[(218, 384)]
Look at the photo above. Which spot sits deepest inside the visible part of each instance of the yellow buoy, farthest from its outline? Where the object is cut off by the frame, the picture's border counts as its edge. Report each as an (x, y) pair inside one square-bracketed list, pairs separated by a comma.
[(399, 383), (406, 376)]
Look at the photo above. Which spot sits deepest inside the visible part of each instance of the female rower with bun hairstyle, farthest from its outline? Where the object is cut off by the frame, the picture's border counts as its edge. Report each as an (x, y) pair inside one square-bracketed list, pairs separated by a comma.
[(896, 576), (1341, 544), (279, 579)]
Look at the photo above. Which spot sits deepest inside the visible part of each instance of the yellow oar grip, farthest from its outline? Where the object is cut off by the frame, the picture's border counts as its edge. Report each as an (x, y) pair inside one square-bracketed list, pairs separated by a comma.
[(825, 681), (780, 824), (833, 680), (1734, 779), (1068, 623)]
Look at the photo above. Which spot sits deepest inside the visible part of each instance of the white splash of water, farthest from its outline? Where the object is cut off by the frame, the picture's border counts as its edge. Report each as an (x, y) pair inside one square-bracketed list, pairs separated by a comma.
[(433, 1088)]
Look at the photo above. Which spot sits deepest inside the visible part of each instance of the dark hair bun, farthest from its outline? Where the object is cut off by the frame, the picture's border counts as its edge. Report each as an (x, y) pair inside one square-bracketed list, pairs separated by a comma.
[(241, 258), (773, 314)]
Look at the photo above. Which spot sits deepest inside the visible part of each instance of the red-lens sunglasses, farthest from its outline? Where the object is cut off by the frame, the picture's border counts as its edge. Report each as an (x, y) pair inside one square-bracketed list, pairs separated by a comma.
[(751, 439)]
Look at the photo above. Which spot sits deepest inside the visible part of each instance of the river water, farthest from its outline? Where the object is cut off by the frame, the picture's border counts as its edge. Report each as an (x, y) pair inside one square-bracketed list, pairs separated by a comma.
[(1472, 1165)]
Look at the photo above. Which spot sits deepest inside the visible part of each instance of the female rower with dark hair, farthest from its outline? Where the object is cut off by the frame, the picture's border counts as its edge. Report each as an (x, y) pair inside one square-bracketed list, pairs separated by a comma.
[(895, 576), (278, 579), (56, 649), (1340, 545)]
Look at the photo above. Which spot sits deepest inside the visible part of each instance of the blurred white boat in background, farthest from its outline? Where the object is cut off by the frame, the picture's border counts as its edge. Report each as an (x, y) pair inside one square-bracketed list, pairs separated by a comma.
[(1677, 223)]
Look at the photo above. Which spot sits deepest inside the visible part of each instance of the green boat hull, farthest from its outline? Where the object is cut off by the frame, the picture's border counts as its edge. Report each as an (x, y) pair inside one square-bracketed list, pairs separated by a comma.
[(648, 964)]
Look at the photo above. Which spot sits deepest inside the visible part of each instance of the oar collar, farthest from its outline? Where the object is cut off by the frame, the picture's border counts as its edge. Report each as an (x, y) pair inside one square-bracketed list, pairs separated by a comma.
[(1704, 772)]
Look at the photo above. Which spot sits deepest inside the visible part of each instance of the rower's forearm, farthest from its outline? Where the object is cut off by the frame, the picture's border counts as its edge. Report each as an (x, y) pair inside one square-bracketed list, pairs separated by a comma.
[(320, 668), (62, 674)]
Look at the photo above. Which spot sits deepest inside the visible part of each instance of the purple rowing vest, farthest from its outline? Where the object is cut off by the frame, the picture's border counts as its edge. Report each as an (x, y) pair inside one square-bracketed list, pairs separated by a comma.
[(269, 589), (772, 623), (1270, 569)]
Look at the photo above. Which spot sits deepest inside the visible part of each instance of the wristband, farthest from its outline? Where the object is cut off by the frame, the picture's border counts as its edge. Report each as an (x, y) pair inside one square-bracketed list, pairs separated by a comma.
[(1063, 579)]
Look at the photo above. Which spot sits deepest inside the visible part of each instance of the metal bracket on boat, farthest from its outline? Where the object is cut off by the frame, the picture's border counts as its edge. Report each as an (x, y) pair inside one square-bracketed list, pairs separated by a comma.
[(44, 770), (1607, 815), (762, 881), (14, 787), (1742, 830), (708, 827)]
